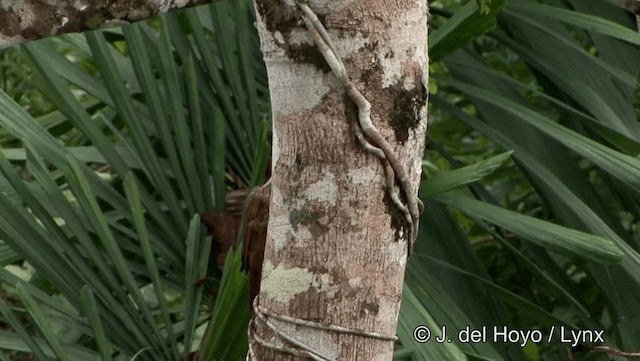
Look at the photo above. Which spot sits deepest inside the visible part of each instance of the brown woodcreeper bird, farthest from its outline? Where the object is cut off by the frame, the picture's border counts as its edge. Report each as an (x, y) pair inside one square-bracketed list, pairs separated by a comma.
[(246, 214), (254, 228)]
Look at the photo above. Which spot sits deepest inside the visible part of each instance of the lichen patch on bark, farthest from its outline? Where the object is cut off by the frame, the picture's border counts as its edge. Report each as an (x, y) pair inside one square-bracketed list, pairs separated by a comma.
[(283, 284), (7, 41), (307, 90), (363, 176), (348, 46), (329, 7), (275, 147), (403, 38), (281, 230), (316, 339), (324, 283), (396, 252), (355, 282), (324, 190), (299, 36)]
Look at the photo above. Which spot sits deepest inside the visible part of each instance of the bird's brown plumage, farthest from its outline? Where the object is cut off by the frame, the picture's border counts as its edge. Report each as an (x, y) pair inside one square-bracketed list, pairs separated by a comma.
[(223, 227), (254, 226)]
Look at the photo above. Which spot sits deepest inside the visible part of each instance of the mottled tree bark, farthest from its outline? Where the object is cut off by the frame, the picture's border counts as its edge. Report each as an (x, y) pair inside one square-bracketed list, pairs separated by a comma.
[(337, 246), (22, 20)]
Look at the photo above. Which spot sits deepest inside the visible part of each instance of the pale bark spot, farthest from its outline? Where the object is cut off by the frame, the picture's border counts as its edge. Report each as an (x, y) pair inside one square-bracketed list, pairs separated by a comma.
[(387, 311), (114, 22), (347, 46), (300, 93), (278, 36), (290, 3), (283, 284), (397, 250), (328, 6), (181, 3), (324, 283), (281, 230), (303, 236), (324, 190), (296, 94), (415, 140), (267, 44), (316, 339), (80, 5), (299, 36), (406, 36), (275, 148), (355, 282), (7, 41), (279, 224), (380, 357), (25, 12), (363, 176), (164, 5)]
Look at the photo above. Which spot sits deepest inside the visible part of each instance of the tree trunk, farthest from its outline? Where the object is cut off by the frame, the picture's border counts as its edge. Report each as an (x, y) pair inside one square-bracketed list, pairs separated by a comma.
[(337, 245), (22, 20)]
